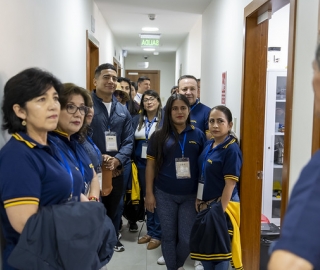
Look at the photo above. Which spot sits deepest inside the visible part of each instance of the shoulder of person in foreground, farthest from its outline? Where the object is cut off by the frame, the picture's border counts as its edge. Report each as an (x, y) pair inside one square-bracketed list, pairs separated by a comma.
[(284, 260), (301, 221)]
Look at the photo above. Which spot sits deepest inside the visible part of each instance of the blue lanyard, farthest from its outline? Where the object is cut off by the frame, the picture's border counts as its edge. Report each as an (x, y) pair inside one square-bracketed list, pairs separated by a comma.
[(64, 164), (78, 162), (209, 151), (183, 144), (148, 127), (96, 149), (205, 159), (192, 107)]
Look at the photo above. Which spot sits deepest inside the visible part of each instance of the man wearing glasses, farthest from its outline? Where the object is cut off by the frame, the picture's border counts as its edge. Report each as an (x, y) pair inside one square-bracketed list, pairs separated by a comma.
[(112, 133)]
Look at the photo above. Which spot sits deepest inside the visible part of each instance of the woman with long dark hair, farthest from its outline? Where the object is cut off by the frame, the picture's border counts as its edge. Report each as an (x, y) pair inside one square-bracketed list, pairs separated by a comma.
[(171, 178), (145, 124)]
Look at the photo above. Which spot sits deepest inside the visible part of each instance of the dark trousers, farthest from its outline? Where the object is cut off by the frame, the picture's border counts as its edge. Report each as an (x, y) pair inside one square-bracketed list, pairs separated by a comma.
[(112, 201), (177, 214)]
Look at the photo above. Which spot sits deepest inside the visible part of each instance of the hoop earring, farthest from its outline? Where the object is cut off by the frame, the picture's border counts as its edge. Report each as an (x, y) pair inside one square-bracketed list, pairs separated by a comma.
[(24, 123)]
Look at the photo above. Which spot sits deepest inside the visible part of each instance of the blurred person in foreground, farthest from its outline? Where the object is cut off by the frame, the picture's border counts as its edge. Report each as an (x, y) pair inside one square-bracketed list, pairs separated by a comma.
[(299, 247)]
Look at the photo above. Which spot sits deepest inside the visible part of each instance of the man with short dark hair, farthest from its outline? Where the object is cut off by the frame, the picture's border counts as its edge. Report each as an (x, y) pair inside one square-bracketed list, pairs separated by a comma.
[(143, 85), (112, 133)]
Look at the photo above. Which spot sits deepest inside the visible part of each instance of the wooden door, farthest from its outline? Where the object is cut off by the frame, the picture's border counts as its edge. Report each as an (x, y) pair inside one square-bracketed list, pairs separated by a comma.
[(92, 61), (252, 123), (316, 120), (153, 75)]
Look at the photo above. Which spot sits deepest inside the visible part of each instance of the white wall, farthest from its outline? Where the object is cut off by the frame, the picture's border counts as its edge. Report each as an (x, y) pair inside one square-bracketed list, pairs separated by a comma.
[(188, 54), (165, 62), (302, 109), (222, 50), (278, 36), (50, 35)]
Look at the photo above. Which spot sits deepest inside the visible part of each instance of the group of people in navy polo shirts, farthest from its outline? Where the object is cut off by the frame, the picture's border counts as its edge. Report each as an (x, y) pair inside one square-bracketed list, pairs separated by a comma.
[(63, 139)]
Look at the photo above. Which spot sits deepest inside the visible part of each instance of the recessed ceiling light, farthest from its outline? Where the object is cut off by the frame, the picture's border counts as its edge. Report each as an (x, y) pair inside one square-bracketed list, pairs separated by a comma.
[(155, 53), (150, 35), (151, 29), (149, 49)]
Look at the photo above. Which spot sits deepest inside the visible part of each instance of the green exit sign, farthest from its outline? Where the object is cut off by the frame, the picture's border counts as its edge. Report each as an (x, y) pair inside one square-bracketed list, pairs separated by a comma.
[(145, 42)]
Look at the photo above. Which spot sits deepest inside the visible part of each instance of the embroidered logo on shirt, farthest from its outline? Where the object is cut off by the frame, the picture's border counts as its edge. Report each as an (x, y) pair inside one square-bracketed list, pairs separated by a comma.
[(210, 161), (193, 121), (192, 142)]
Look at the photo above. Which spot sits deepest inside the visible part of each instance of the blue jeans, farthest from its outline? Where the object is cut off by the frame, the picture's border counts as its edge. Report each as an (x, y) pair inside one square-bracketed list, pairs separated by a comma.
[(126, 177), (153, 222), (210, 265)]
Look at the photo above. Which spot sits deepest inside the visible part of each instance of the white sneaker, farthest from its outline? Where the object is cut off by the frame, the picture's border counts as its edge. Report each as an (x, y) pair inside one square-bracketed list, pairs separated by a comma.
[(161, 261), (198, 265)]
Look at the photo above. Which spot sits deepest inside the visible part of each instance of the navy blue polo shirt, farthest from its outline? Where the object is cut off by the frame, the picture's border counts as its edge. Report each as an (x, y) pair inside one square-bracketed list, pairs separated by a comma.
[(301, 226), (166, 179), (224, 161), (199, 116), (31, 174), (76, 154)]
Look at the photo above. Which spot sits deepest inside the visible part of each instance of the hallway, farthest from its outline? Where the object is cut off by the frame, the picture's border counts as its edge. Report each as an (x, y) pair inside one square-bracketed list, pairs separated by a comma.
[(137, 257)]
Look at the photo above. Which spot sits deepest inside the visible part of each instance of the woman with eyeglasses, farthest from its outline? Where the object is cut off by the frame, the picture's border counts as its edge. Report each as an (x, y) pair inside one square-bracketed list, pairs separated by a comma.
[(74, 107), (171, 178), (34, 172), (144, 124)]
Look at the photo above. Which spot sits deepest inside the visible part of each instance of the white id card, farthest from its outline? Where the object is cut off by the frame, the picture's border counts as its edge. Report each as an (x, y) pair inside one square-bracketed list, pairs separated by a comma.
[(144, 150), (111, 141), (100, 180), (182, 168), (200, 191)]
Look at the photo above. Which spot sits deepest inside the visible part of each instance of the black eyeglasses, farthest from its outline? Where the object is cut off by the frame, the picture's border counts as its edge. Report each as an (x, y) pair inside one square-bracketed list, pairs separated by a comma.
[(118, 94), (72, 109), (146, 100)]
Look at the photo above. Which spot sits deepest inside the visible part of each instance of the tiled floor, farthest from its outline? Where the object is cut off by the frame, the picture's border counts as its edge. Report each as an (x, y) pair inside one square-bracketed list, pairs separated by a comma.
[(137, 257)]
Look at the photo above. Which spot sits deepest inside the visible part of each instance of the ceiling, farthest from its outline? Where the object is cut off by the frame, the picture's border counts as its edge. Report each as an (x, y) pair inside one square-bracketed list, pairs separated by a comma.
[(174, 18)]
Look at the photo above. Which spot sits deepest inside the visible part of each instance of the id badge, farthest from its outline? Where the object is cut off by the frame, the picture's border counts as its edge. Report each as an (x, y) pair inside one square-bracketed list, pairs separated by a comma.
[(200, 191), (144, 150), (99, 174), (111, 141), (182, 168), (86, 188)]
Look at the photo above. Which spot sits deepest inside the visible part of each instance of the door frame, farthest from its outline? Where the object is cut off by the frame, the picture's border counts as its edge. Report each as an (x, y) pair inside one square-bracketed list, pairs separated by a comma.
[(92, 59), (252, 122), (316, 120)]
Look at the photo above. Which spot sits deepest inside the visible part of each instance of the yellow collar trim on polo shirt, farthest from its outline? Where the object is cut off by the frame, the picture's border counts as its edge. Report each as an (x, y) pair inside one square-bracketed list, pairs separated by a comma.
[(19, 138), (231, 142), (61, 133)]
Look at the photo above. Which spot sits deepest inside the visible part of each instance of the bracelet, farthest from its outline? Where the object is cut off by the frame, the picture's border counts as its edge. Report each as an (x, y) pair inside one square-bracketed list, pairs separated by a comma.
[(92, 198)]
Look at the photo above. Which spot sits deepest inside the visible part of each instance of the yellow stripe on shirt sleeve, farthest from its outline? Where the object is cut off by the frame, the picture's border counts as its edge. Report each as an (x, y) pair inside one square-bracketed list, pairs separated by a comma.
[(21, 201), (150, 157), (231, 177)]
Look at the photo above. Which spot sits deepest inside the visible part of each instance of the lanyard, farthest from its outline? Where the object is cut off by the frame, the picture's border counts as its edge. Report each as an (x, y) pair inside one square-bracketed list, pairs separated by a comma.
[(183, 144), (78, 162), (209, 151), (64, 164), (148, 127), (197, 102), (89, 139), (205, 159)]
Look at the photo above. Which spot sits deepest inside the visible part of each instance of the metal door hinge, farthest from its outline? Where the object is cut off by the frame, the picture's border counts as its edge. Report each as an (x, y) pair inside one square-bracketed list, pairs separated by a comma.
[(260, 174)]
